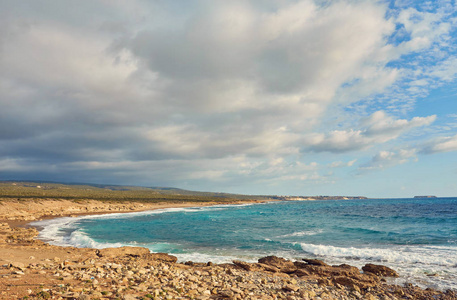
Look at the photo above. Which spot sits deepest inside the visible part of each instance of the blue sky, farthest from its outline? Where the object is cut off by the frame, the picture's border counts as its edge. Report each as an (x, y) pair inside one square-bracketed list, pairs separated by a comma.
[(292, 97)]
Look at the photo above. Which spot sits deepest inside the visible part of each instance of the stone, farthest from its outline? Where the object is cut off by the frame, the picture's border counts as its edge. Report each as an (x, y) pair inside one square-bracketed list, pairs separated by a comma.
[(379, 270), (244, 265), (269, 268), (315, 262), (122, 251), (291, 288), (17, 265), (286, 266), (164, 257), (302, 272)]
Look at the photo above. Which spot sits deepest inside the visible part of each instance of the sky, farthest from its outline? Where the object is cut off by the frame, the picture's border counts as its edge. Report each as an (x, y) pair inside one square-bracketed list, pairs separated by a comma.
[(279, 97)]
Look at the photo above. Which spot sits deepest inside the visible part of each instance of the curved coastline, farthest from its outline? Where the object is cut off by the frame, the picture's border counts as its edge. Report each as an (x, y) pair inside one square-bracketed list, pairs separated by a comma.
[(25, 258)]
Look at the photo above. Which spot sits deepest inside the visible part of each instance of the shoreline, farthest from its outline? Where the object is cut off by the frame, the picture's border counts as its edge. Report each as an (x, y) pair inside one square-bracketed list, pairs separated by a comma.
[(34, 269), (24, 214)]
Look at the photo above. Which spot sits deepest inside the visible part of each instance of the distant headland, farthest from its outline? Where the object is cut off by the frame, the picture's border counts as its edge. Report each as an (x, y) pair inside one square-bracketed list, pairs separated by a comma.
[(428, 196)]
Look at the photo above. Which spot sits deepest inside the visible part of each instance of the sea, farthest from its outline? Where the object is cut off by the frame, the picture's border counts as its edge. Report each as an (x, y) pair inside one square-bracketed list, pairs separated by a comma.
[(415, 237)]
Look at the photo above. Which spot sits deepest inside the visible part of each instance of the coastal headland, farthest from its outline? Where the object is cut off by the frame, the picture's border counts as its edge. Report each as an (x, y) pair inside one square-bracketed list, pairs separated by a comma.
[(33, 269)]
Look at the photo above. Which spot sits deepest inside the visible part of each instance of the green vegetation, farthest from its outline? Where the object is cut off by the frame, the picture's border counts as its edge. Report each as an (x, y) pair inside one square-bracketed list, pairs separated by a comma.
[(23, 191)]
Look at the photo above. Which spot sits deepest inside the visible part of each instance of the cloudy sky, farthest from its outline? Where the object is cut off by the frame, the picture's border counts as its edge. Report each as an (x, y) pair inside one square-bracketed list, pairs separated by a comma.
[(296, 97)]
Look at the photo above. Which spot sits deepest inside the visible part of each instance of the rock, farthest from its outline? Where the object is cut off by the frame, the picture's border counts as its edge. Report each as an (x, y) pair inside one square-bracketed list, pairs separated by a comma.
[(286, 266), (315, 262), (291, 288), (226, 293), (244, 265), (129, 297), (268, 268), (122, 251), (162, 257), (379, 270), (302, 272), (370, 297), (17, 265)]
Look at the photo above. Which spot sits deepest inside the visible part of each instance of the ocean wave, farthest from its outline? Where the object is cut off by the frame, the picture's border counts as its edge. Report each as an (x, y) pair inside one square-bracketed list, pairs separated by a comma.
[(302, 233), (426, 255), (57, 231)]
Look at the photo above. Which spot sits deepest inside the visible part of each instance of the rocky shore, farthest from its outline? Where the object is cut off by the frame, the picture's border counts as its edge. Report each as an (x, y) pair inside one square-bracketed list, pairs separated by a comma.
[(18, 211), (32, 269)]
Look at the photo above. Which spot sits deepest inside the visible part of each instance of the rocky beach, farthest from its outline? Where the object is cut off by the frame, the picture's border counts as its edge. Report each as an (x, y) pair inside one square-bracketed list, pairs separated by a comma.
[(33, 269)]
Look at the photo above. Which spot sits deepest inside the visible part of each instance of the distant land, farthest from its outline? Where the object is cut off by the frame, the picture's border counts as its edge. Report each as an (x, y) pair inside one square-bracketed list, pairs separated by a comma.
[(42, 189), (428, 196)]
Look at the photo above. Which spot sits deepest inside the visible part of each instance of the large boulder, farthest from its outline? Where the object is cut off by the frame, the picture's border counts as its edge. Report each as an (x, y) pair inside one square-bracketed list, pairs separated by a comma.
[(284, 265), (361, 281), (325, 271), (379, 270)]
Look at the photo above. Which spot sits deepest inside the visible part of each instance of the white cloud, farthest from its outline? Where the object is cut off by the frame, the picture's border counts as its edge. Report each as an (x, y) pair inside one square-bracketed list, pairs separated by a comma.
[(340, 164), (446, 70), (385, 159), (444, 144), (376, 129)]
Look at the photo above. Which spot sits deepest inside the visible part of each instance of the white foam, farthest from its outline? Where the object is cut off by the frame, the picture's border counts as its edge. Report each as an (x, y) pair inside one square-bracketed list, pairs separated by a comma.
[(55, 231), (414, 263), (429, 255), (302, 233)]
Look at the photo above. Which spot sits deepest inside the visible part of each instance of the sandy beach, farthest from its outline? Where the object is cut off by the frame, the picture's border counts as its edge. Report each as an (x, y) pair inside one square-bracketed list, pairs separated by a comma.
[(32, 269)]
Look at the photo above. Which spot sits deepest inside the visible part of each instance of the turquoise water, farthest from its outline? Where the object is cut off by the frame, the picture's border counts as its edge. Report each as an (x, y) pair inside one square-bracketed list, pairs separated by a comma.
[(417, 237)]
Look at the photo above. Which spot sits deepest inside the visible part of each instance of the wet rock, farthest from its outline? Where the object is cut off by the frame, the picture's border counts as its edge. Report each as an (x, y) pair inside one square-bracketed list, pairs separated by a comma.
[(379, 270), (315, 262)]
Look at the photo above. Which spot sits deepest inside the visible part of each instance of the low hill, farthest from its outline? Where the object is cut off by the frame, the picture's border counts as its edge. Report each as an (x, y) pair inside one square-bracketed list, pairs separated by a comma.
[(32, 189)]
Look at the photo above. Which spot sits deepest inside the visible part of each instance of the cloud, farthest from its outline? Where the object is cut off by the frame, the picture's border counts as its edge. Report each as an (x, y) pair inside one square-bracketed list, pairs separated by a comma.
[(385, 159), (340, 164), (228, 78), (376, 129), (142, 91), (444, 144)]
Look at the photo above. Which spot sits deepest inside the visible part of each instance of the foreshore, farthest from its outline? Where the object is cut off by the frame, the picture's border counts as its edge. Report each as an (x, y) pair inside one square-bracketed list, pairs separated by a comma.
[(32, 269)]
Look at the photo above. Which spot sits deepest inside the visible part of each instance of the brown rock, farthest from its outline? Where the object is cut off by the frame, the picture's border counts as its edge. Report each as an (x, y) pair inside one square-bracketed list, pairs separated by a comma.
[(327, 271), (244, 265), (351, 282), (269, 268), (122, 251), (302, 272), (291, 288), (284, 265), (315, 262), (379, 270), (161, 257)]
